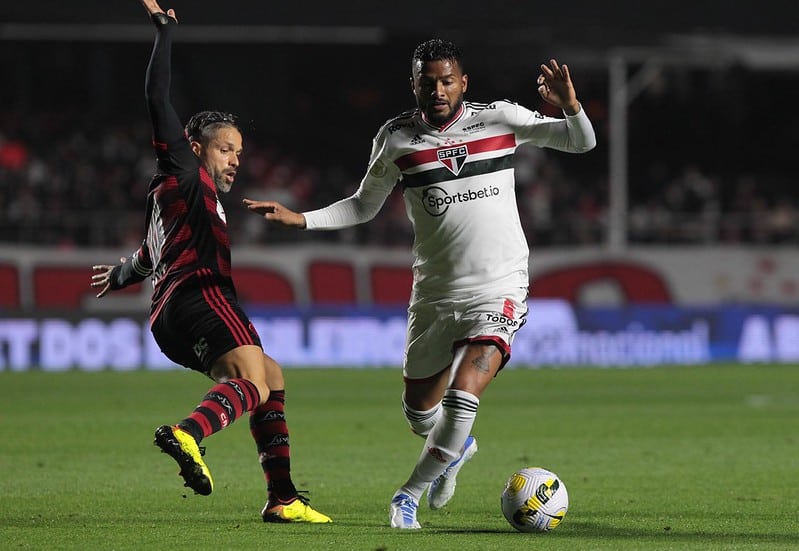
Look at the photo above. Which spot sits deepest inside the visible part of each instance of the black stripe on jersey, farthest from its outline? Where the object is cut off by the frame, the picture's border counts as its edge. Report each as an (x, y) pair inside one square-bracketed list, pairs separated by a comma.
[(406, 114), (483, 106), (477, 106), (475, 168)]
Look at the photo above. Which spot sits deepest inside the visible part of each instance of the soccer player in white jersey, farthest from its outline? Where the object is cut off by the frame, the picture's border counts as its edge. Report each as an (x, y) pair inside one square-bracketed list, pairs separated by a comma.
[(454, 161)]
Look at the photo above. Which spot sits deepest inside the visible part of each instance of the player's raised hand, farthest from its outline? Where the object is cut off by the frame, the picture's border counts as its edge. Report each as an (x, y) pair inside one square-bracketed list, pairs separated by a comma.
[(555, 87), (274, 211), (152, 7)]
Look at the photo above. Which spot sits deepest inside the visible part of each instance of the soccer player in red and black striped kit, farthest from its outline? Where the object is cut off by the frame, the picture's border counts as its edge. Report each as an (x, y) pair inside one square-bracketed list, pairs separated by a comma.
[(195, 317)]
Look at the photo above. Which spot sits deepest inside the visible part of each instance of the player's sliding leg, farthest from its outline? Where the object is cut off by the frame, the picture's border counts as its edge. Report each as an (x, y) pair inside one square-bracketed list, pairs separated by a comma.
[(270, 432), (443, 446), (222, 405)]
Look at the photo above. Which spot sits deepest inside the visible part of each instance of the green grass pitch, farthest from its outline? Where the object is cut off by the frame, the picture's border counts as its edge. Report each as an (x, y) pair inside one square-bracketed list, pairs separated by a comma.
[(661, 458)]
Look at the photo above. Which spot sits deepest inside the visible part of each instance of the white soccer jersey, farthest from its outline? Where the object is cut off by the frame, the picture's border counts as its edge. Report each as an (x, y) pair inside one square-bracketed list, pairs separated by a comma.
[(458, 184)]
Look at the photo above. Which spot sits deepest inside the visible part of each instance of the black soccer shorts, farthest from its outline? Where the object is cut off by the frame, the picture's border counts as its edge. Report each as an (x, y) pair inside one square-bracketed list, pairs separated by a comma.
[(198, 325)]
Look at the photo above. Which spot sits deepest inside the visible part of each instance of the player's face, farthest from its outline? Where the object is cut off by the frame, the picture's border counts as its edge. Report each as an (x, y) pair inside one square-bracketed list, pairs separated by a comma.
[(220, 156), (439, 87)]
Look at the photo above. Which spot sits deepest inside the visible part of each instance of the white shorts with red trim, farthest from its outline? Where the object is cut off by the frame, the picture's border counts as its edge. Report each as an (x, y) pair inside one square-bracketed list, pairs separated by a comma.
[(437, 328)]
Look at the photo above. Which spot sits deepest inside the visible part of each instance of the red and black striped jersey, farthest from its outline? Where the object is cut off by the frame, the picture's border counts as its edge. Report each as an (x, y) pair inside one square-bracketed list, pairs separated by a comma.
[(186, 241)]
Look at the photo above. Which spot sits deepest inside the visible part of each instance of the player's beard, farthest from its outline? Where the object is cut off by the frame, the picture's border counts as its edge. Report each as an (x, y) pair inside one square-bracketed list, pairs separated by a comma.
[(442, 119), (222, 186)]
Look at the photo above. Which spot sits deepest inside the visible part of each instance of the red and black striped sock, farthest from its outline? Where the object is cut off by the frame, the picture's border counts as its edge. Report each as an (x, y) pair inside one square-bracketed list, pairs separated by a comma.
[(270, 431), (223, 404)]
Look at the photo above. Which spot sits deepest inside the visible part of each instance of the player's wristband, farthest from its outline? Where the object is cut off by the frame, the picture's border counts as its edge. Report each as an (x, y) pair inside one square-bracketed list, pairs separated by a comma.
[(123, 275), (160, 19)]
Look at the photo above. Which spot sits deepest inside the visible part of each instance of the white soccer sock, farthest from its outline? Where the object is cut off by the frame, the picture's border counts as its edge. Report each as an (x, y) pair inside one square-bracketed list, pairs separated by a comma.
[(445, 441), (421, 422)]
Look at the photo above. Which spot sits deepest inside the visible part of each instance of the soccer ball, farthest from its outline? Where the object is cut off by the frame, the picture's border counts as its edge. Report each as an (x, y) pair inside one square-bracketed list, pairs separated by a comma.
[(534, 500)]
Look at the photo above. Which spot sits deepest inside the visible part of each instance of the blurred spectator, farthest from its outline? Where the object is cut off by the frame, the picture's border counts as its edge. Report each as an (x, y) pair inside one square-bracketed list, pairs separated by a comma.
[(782, 221), (13, 154)]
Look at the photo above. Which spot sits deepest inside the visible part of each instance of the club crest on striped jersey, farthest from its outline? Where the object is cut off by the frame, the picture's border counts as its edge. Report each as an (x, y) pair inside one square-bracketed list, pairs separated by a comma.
[(453, 158)]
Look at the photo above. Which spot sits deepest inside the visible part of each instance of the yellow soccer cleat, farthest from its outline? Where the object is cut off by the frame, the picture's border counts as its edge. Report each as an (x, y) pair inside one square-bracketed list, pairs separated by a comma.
[(183, 448), (297, 510)]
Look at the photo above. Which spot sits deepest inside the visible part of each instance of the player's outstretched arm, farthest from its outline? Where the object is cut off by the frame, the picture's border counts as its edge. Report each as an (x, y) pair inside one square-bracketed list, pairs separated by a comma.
[(274, 211), (555, 87), (171, 146)]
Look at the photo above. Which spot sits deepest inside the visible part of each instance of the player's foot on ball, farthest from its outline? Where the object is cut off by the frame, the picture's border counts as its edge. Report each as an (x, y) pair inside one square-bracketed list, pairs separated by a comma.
[(183, 448), (297, 509), (402, 512), (443, 488)]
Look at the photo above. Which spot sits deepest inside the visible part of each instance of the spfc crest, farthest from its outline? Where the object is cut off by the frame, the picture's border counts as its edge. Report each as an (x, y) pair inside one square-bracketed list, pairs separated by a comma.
[(453, 158)]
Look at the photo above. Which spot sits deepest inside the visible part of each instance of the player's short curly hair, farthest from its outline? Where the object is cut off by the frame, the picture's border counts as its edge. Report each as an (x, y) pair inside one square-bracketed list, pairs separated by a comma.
[(203, 125), (437, 49)]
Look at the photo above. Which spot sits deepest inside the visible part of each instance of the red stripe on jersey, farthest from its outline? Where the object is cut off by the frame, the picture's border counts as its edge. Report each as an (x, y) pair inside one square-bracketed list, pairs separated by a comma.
[(495, 143), (216, 300), (235, 323), (219, 306), (159, 145), (508, 310)]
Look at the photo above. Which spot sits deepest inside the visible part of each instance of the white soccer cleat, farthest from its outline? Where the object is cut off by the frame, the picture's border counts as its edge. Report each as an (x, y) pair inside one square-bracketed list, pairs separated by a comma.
[(402, 512), (443, 488)]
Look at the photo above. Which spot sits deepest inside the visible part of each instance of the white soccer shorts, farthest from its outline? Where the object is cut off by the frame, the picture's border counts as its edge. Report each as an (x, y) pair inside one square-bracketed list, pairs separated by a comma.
[(437, 328)]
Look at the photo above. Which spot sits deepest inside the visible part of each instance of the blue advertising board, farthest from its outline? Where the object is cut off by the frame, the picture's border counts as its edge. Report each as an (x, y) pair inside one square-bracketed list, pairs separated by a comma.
[(556, 334)]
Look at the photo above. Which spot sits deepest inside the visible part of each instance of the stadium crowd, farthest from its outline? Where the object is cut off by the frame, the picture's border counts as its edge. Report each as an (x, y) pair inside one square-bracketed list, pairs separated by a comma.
[(700, 171), (74, 184)]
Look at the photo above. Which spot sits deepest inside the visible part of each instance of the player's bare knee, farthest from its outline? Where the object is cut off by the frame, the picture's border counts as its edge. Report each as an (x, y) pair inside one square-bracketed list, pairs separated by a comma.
[(273, 373), (244, 362)]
